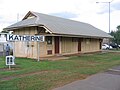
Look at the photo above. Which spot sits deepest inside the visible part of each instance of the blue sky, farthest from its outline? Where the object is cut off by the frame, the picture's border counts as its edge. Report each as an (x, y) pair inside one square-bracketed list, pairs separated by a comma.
[(116, 5), (87, 11), (65, 15)]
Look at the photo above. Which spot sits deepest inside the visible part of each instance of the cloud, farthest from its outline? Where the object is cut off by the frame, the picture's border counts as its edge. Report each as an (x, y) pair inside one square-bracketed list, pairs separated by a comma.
[(1, 17), (104, 6), (116, 6), (81, 10), (65, 15)]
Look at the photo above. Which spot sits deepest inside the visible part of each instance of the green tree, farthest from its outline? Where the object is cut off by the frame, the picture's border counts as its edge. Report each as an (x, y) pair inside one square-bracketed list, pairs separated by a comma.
[(118, 27), (113, 34), (116, 35), (4, 31)]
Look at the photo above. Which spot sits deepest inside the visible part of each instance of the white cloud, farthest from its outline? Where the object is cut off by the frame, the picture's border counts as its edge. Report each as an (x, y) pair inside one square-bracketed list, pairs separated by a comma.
[(85, 10)]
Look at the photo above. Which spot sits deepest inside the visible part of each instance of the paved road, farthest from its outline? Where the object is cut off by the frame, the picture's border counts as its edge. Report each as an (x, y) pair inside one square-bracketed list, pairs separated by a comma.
[(109, 80)]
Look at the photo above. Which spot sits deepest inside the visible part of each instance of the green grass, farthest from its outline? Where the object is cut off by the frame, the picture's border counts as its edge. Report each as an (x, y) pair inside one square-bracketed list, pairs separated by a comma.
[(29, 74)]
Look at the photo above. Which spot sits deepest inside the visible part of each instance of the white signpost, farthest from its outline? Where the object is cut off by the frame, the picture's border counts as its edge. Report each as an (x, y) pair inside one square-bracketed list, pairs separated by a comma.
[(10, 60), (27, 38)]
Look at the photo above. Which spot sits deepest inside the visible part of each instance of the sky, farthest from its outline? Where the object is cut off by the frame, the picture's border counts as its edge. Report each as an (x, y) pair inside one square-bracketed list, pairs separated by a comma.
[(88, 11)]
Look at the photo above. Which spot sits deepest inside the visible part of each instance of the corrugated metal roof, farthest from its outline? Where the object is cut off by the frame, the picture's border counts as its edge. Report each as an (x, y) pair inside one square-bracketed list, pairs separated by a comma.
[(61, 26)]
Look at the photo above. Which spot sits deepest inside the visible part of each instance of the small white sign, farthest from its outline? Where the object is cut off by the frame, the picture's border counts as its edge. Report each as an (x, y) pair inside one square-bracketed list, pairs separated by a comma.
[(10, 60), (39, 38)]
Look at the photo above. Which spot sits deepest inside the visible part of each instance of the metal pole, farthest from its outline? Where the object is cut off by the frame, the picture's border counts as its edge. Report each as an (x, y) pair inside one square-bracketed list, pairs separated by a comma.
[(109, 17), (38, 51), (9, 64), (109, 22), (109, 11), (13, 45), (3, 49), (9, 67)]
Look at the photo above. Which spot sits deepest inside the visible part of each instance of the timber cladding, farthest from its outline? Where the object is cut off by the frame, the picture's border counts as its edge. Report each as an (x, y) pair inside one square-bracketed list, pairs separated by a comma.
[(90, 45), (25, 49), (64, 45), (62, 36), (69, 45), (30, 49)]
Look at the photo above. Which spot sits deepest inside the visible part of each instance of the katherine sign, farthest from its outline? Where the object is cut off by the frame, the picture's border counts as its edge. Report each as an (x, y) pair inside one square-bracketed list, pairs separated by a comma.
[(38, 38)]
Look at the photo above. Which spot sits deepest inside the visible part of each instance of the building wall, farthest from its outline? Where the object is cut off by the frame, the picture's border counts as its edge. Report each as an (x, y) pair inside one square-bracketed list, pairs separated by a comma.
[(1, 47), (30, 49), (2, 41), (90, 45), (25, 49), (68, 45), (45, 48)]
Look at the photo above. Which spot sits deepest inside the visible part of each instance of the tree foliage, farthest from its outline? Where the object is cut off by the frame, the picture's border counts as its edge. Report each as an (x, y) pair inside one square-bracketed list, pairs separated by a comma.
[(116, 35), (118, 27), (4, 31)]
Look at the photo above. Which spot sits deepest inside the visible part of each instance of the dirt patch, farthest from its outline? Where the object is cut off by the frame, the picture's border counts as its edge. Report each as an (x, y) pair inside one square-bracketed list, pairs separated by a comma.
[(54, 58), (65, 80), (4, 69), (27, 74), (7, 69)]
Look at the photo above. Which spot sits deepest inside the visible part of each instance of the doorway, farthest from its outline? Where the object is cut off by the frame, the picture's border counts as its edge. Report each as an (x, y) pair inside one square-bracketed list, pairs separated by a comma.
[(79, 44), (57, 42)]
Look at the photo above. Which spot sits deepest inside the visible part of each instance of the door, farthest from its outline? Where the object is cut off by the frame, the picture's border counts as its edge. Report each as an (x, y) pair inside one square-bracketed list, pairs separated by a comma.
[(30, 47), (100, 44), (57, 40), (79, 44)]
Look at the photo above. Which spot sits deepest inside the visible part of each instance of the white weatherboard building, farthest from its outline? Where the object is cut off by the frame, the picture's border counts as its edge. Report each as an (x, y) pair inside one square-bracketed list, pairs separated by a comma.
[(3, 43), (3, 37), (62, 36)]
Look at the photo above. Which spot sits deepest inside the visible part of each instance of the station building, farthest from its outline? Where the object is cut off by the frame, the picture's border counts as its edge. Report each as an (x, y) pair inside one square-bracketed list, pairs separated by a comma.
[(62, 36)]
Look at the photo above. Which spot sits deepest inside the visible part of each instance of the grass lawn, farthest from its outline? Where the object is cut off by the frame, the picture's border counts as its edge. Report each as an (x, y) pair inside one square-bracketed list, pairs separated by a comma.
[(29, 74)]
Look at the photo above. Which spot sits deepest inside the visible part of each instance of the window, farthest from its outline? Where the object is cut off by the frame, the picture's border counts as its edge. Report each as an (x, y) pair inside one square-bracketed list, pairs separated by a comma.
[(49, 40), (49, 52), (88, 41)]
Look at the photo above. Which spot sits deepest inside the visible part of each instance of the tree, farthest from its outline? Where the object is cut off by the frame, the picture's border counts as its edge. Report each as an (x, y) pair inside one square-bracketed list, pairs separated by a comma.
[(118, 27), (112, 34), (116, 35), (4, 31)]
